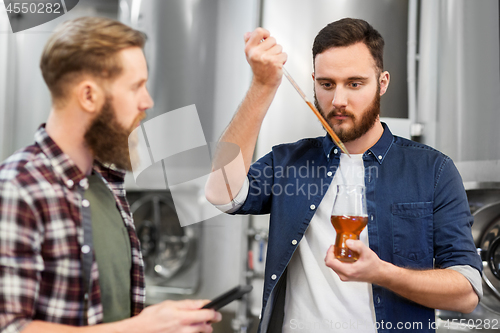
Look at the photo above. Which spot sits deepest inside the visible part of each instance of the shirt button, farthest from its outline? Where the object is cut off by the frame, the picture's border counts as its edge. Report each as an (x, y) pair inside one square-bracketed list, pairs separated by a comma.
[(294, 242), (313, 207), (84, 183), (335, 151), (329, 174), (85, 249), (378, 300), (328, 156), (70, 183), (273, 277), (379, 157), (85, 203), (371, 217)]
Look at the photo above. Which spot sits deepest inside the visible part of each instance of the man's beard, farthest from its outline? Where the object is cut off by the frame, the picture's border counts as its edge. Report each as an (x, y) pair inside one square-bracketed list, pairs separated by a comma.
[(360, 126), (108, 139)]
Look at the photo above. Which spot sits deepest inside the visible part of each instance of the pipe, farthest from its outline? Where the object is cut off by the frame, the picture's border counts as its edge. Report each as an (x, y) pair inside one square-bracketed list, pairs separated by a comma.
[(428, 69), (412, 60), (135, 12)]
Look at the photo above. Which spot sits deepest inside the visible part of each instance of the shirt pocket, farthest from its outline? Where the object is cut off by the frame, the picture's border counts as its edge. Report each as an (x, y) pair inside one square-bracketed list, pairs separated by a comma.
[(412, 230)]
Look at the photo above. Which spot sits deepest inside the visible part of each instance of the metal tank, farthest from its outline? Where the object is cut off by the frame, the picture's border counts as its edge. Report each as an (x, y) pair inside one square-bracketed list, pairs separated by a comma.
[(195, 56), (24, 98), (459, 78)]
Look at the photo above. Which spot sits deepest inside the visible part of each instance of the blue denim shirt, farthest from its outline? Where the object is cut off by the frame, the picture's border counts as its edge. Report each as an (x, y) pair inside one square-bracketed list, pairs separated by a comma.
[(417, 207)]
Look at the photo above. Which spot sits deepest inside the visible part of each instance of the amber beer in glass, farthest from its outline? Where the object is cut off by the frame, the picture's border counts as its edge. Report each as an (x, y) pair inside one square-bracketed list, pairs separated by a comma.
[(349, 218)]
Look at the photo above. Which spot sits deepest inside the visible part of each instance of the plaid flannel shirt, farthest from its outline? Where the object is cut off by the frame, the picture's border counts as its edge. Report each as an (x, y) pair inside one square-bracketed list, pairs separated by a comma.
[(41, 235)]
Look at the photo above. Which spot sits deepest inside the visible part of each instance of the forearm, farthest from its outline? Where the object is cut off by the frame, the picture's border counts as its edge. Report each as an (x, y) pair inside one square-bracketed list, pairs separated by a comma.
[(266, 59), (45, 327), (243, 132), (438, 288), (245, 126)]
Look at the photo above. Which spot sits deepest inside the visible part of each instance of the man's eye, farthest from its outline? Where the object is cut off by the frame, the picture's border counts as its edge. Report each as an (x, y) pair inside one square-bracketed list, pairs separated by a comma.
[(326, 85), (355, 85)]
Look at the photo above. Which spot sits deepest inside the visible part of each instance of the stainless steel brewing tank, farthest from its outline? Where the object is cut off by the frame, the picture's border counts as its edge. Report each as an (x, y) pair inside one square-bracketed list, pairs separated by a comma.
[(485, 205), (172, 254), (196, 56), (484, 201), (181, 53)]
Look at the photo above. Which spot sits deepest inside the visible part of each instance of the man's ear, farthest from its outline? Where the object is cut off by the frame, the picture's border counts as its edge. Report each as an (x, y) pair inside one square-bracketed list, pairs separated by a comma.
[(384, 82), (90, 96)]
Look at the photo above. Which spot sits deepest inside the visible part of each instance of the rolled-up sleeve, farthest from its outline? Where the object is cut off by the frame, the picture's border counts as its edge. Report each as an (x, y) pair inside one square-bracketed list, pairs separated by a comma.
[(473, 276), (238, 201), (260, 184)]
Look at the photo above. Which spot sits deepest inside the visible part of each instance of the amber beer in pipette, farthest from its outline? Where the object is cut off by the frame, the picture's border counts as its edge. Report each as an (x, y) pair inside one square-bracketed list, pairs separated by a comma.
[(349, 218)]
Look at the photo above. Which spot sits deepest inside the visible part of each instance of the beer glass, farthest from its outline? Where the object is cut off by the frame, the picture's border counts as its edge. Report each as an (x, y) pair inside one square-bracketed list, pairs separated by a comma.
[(349, 218)]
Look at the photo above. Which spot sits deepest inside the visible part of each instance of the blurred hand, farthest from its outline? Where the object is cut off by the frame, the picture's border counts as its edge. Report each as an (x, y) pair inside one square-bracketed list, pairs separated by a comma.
[(175, 317), (265, 57), (368, 268)]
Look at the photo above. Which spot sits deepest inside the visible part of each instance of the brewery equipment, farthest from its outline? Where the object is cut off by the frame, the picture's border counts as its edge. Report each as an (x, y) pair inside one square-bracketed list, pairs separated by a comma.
[(484, 201), (194, 53), (171, 253), (457, 103)]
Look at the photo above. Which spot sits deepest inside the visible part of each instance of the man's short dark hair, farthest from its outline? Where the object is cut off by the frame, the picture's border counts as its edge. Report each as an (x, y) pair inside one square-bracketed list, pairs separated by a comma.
[(349, 31)]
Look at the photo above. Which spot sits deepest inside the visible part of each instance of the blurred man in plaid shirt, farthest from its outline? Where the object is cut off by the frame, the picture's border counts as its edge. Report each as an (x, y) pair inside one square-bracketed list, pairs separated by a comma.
[(69, 253)]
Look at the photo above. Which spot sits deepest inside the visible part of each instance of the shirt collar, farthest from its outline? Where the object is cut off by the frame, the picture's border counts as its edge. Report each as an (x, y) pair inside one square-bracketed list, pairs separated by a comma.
[(109, 172), (328, 145), (62, 165), (66, 168), (381, 148), (378, 150)]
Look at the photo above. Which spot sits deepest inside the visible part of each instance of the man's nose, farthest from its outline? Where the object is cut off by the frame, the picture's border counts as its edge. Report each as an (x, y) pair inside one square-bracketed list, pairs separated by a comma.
[(339, 98), (147, 102)]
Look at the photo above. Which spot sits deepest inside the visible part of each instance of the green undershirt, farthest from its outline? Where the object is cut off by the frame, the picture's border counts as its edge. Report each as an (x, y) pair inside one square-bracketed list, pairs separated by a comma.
[(112, 251)]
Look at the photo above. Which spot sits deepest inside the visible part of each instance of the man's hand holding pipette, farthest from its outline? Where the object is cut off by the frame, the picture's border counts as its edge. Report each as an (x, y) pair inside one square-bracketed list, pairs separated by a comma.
[(265, 57)]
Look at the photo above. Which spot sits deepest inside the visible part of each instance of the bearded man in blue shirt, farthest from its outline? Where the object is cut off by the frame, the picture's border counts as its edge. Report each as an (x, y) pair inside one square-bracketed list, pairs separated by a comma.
[(417, 252)]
